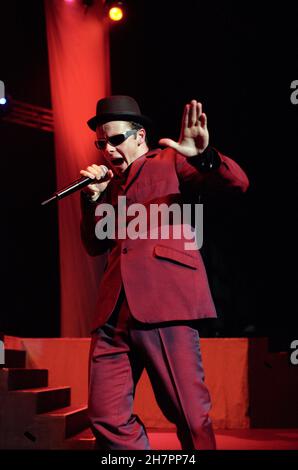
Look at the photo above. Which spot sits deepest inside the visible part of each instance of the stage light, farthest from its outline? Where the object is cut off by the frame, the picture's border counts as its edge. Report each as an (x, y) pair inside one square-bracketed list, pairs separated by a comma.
[(2, 101), (115, 10)]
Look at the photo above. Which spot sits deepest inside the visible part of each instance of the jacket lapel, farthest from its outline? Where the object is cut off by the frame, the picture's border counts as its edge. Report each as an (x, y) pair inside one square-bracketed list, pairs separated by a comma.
[(136, 169)]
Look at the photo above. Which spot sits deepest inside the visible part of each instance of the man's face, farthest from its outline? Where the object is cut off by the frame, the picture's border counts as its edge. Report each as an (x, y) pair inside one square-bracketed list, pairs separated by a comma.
[(121, 156)]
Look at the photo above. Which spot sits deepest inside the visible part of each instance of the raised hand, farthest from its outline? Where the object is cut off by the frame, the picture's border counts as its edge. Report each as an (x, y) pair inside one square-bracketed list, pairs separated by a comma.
[(194, 135)]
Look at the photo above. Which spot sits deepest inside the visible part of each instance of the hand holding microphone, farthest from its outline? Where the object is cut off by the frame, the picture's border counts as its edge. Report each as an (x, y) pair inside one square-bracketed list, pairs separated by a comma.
[(94, 172), (97, 173)]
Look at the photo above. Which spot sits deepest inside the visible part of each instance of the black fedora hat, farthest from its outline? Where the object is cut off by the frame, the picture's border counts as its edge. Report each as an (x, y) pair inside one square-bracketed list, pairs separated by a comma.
[(117, 108)]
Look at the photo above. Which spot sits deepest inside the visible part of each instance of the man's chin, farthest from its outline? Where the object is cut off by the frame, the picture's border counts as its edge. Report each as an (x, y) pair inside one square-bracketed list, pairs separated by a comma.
[(120, 167)]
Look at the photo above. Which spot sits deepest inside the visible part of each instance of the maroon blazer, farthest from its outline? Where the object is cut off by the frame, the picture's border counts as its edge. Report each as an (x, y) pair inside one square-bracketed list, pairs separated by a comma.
[(162, 280)]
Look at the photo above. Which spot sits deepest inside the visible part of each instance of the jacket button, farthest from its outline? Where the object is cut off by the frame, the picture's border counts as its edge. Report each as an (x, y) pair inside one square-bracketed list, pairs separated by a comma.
[(124, 250)]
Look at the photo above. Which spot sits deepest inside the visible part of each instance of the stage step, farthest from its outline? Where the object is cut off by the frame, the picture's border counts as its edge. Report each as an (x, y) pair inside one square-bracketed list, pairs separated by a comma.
[(36, 400), (34, 415), (14, 358), (53, 430), (17, 379), (85, 440), (63, 423)]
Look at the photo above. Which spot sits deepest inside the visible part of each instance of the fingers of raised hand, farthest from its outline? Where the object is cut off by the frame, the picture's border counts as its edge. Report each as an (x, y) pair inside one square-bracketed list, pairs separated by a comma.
[(198, 107), (195, 114), (203, 120), (192, 114)]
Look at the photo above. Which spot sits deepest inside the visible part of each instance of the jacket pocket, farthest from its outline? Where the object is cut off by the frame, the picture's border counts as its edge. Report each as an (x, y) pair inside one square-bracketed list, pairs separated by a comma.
[(171, 254)]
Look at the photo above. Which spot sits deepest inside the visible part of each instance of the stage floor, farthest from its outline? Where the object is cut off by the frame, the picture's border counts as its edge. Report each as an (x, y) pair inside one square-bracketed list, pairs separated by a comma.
[(241, 439), (236, 439)]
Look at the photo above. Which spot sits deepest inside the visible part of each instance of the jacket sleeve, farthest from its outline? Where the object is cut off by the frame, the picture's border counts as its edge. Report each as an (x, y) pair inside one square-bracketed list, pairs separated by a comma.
[(211, 171), (92, 244)]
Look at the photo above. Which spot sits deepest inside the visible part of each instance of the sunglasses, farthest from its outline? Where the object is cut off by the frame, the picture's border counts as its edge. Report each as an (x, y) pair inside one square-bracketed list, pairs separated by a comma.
[(114, 140)]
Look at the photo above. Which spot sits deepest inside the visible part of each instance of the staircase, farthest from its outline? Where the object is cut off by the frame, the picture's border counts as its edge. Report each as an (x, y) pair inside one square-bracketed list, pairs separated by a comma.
[(34, 415)]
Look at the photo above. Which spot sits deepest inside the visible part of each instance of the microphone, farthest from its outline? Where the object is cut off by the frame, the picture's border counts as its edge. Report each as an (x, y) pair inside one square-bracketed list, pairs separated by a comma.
[(75, 186)]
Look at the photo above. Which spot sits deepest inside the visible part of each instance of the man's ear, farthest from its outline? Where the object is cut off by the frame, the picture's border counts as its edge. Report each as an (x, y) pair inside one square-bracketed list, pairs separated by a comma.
[(141, 136)]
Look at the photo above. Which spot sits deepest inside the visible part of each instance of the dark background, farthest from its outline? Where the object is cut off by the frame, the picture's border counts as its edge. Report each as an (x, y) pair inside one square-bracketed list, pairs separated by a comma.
[(236, 58)]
